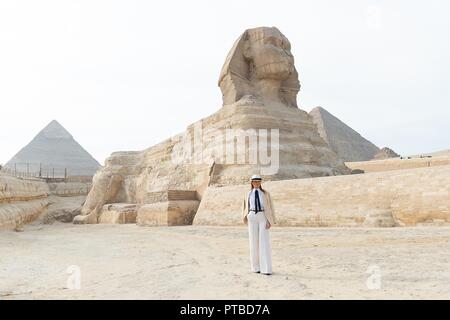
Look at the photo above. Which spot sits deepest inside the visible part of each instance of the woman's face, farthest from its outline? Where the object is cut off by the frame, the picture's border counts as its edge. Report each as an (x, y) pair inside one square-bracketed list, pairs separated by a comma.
[(256, 184)]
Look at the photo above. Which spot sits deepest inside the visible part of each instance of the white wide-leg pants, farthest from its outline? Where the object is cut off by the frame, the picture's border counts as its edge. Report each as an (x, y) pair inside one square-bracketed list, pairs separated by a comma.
[(260, 251)]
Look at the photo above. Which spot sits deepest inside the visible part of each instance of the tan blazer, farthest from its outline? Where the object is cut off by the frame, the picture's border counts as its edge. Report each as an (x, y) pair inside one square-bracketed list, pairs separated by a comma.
[(268, 208)]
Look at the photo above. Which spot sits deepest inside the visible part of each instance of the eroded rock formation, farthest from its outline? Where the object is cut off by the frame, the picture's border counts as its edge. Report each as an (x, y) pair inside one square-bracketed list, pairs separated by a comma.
[(385, 153), (259, 84), (21, 200)]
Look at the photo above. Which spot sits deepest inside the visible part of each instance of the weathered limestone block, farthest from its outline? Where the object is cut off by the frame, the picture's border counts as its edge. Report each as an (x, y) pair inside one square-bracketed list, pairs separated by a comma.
[(259, 117), (379, 218), (168, 213), (69, 189), (169, 208), (21, 200), (118, 213), (16, 214), (17, 189)]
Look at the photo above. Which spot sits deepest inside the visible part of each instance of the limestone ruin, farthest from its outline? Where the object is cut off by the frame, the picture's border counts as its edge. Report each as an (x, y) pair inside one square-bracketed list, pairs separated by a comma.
[(177, 182), (385, 153), (259, 83), (21, 201)]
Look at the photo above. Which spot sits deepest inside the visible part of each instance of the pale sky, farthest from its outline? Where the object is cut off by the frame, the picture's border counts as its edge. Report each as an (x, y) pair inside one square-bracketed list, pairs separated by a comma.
[(125, 75)]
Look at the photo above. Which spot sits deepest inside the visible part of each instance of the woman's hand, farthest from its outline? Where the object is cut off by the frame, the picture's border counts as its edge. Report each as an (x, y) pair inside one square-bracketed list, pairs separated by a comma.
[(268, 225)]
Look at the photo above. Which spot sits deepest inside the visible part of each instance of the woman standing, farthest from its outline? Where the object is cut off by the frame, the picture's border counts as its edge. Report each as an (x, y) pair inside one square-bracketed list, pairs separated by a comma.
[(259, 215)]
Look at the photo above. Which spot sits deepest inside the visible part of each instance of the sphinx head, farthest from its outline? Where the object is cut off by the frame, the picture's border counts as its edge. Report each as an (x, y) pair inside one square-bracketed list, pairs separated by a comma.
[(261, 65), (268, 53)]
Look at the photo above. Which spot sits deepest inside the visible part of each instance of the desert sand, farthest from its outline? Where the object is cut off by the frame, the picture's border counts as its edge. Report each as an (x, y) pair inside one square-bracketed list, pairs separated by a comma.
[(204, 262)]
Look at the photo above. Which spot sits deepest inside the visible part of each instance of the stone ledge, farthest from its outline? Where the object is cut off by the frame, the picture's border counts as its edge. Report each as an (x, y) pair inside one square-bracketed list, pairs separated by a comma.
[(170, 195), (16, 214), (118, 213), (168, 213)]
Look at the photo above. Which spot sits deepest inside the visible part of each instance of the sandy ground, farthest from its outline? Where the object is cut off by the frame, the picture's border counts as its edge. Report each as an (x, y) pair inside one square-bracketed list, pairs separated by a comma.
[(197, 262)]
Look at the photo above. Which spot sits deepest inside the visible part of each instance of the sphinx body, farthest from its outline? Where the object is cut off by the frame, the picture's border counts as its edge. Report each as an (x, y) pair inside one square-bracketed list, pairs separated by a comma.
[(259, 84)]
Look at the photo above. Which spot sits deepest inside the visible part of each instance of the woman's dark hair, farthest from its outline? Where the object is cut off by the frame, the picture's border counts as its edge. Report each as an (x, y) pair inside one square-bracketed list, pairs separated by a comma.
[(260, 187)]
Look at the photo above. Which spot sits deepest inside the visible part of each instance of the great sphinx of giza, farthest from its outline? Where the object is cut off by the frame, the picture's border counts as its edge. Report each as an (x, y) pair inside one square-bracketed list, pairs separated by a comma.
[(260, 66), (165, 183)]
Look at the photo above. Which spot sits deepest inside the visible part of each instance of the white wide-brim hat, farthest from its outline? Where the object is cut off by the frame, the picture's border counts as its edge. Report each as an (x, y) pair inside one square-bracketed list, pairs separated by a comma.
[(256, 177)]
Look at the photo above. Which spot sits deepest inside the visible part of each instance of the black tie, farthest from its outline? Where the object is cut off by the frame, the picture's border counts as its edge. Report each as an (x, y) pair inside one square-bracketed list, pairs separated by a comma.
[(257, 204)]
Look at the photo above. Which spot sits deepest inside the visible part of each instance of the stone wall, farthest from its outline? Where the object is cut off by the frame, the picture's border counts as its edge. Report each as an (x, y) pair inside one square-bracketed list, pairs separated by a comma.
[(21, 200), (69, 189), (17, 189), (406, 197)]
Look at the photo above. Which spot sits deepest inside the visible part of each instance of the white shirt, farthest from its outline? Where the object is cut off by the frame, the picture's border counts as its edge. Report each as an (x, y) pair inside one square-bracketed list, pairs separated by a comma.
[(252, 199)]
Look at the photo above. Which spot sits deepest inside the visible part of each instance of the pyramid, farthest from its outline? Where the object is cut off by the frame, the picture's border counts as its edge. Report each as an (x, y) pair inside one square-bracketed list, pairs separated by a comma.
[(346, 142), (53, 151), (385, 153)]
